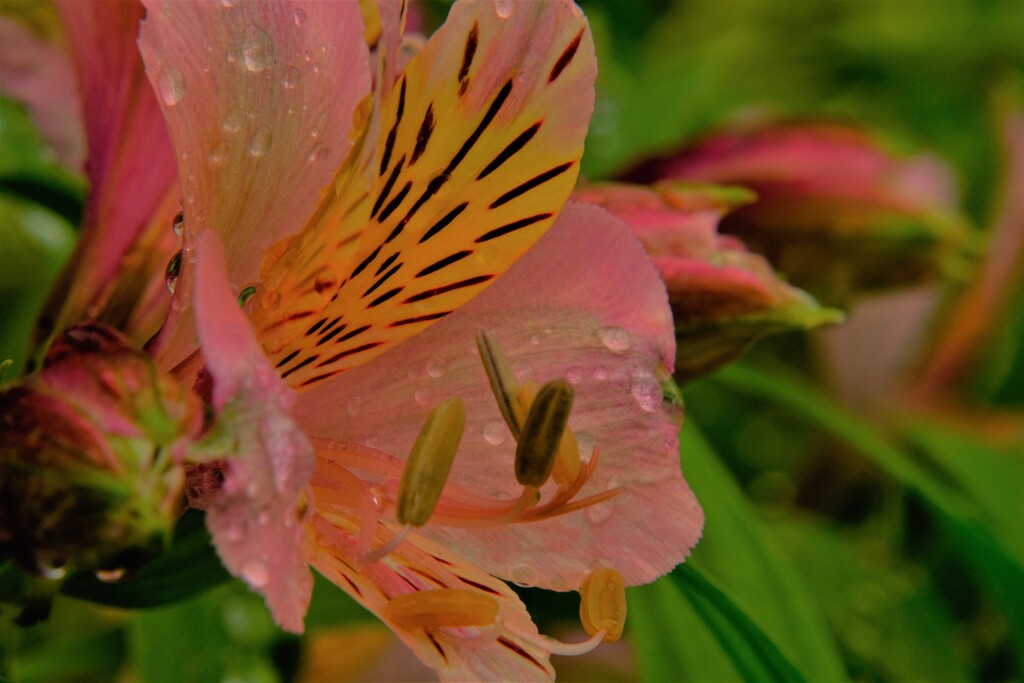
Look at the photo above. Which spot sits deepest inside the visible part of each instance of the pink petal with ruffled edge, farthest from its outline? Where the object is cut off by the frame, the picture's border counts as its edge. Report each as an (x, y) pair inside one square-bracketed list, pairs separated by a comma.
[(37, 73), (259, 98), (255, 520), (130, 162), (585, 304)]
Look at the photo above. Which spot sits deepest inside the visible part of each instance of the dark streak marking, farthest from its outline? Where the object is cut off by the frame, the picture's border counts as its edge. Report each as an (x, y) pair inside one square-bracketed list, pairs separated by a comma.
[(443, 263), (386, 190), (419, 319), (509, 151), (486, 121), (389, 145), (381, 281), (390, 208), (367, 261), (447, 288), (320, 378), (423, 136), (353, 333), (512, 227), (533, 182), (316, 326), (566, 57), (437, 646), (334, 333), (299, 366), (470, 50), (349, 352), (443, 223), (387, 262), (432, 187), (330, 325), (486, 589), (287, 319), (287, 359), (385, 296), (351, 584), (520, 651)]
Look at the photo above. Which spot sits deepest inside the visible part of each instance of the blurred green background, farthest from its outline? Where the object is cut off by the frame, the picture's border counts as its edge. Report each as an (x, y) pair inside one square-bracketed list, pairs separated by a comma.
[(867, 543)]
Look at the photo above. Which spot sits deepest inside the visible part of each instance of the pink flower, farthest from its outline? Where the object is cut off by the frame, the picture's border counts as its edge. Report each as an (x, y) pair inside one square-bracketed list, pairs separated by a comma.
[(429, 198), (724, 298)]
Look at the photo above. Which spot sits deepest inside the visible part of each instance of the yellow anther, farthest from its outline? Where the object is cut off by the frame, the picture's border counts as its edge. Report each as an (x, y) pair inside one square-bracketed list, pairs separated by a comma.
[(429, 463), (504, 385), (603, 603), (567, 461), (442, 607), (542, 433)]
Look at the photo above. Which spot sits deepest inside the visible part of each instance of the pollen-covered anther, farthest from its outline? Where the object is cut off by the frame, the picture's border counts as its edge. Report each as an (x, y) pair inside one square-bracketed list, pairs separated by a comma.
[(567, 465), (430, 461), (442, 608), (541, 436), (504, 384), (603, 604)]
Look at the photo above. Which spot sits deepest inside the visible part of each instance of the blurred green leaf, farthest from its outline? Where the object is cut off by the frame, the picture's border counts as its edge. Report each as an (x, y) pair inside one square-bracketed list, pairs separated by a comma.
[(332, 606), (992, 563), (188, 568), (739, 549)]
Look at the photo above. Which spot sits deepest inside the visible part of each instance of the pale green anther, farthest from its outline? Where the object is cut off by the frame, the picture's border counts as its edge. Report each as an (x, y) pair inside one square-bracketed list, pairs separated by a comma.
[(429, 463), (503, 383), (542, 433)]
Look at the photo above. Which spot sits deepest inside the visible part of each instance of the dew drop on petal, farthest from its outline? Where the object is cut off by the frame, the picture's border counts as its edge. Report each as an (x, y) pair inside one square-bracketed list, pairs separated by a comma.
[(255, 573), (575, 375), (598, 514), (614, 338), (436, 367), (647, 392), (171, 83), (319, 152), (50, 570), (111, 575), (291, 78), (354, 406), (172, 272), (535, 339), (245, 295), (261, 141), (233, 122), (218, 154), (300, 16), (503, 8), (494, 433), (523, 575), (423, 396), (258, 50), (601, 373)]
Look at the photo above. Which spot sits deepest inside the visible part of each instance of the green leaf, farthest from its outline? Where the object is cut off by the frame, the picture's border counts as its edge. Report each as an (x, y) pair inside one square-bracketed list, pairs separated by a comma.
[(752, 654), (190, 567), (740, 550), (992, 563)]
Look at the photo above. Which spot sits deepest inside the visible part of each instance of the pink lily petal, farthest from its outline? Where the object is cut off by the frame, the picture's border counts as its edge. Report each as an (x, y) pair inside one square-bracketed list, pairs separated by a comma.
[(130, 161), (585, 304), (36, 72), (255, 521), (489, 653)]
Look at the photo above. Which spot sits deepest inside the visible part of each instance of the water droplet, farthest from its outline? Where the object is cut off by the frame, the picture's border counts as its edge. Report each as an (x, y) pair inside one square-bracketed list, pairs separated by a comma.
[(598, 514), (51, 570), (523, 574), (258, 50), (232, 57), (314, 132), (601, 373), (614, 338), (436, 367), (291, 78), (111, 575), (255, 573), (319, 152), (494, 433), (354, 406), (233, 122), (171, 83), (190, 198), (172, 271), (178, 226), (261, 141), (647, 392), (522, 369), (503, 8), (378, 497), (219, 153), (575, 375), (423, 396), (263, 519), (300, 16), (316, 67), (227, 4), (245, 295), (535, 339), (235, 533), (308, 56)]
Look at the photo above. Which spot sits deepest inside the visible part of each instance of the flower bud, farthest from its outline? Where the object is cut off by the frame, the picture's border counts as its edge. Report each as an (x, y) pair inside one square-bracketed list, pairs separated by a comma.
[(840, 211), (723, 297), (90, 450)]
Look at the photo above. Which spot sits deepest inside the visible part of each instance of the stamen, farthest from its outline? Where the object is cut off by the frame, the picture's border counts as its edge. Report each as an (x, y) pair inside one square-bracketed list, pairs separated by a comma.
[(430, 462), (603, 604), (542, 432), (504, 385), (567, 461), (441, 607), (557, 647), (384, 550)]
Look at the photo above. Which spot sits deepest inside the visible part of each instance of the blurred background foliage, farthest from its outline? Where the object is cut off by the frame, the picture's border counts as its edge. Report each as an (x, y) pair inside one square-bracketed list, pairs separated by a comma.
[(867, 540)]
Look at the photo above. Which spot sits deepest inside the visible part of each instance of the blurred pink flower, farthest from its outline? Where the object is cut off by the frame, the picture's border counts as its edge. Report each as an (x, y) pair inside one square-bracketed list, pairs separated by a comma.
[(723, 297)]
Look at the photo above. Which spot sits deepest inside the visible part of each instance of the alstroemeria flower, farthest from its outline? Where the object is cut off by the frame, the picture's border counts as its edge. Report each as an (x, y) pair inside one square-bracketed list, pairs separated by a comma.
[(831, 193), (724, 298), (454, 168)]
